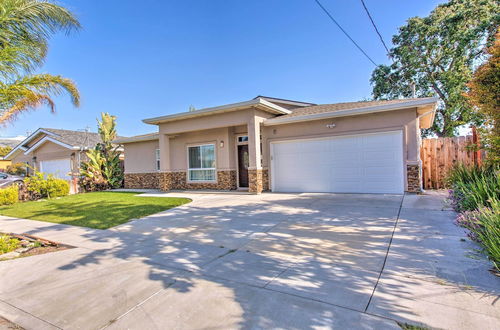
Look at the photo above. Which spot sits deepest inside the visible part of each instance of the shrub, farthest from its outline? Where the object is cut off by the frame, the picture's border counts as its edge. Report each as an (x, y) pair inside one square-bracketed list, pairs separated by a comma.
[(8, 244), (488, 231), (17, 169), (9, 195), (473, 186), (40, 187), (475, 193), (470, 221), (57, 187)]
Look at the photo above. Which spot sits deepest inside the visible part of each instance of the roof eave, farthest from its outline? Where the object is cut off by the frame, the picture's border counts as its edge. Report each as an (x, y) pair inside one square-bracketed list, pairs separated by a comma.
[(50, 139), (352, 112), (285, 101), (14, 152), (257, 103), (426, 116)]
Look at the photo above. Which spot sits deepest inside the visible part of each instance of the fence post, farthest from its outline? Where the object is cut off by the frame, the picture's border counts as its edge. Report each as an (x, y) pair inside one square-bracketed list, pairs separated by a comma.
[(477, 146)]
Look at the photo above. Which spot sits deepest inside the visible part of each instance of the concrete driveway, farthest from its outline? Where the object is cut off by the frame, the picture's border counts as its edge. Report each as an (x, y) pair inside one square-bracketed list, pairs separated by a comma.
[(291, 261)]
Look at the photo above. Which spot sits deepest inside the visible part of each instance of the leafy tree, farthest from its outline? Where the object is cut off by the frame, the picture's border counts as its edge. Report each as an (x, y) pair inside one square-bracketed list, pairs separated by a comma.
[(484, 95), (103, 170), (436, 55), (25, 27), (4, 151)]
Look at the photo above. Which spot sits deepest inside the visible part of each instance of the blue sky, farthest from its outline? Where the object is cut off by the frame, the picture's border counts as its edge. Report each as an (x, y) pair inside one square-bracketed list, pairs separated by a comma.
[(140, 59)]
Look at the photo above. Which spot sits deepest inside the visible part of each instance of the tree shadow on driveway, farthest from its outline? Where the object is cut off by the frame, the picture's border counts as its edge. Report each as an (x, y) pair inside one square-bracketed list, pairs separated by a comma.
[(295, 263)]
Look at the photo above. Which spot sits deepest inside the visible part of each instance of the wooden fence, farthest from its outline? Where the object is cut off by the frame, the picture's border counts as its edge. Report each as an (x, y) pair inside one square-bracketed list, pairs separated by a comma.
[(439, 155)]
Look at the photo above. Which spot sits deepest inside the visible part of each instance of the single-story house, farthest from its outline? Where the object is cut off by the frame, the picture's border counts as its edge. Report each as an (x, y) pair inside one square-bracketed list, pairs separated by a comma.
[(284, 146), (55, 151)]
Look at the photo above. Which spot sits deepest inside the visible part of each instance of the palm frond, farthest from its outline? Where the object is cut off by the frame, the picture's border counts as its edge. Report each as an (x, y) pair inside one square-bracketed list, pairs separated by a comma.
[(33, 91), (51, 84), (29, 102), (29, 24)]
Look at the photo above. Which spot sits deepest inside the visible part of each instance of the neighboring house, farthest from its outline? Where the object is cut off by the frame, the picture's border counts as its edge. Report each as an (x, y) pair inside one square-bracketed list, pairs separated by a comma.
[(284, 146), (10, 143), (55, 151)]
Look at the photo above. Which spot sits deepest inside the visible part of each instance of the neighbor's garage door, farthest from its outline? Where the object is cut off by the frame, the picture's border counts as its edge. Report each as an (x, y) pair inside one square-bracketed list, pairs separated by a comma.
[(58, 167), (368, 163)]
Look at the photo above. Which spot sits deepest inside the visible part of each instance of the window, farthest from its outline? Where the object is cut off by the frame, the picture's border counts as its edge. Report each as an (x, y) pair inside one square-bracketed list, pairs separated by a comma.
[(242, 139), (201, 163), (157, 156)]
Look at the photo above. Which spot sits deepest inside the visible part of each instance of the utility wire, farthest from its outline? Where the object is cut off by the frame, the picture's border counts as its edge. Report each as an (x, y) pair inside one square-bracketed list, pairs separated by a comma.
[(376, 29), (345, 32)]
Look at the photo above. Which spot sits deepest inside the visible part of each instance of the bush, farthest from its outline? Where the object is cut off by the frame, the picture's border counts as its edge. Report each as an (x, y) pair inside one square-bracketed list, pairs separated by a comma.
[(57, 187), (470, 221), (17, 169), (40, 187), (484, 227), (473, 186), (9, 195), (489, 232), (8, 244), (475, 192)]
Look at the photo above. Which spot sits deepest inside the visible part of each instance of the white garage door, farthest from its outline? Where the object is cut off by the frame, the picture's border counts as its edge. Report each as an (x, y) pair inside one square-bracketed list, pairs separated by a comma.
[(58, 167), (368, 163)]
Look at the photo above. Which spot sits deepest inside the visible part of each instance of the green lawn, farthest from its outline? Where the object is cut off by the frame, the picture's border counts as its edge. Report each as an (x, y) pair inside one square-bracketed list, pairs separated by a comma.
[(99, 210)]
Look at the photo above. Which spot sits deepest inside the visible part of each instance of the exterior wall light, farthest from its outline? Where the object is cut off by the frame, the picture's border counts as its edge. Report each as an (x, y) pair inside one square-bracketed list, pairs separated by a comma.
[(221, 144)]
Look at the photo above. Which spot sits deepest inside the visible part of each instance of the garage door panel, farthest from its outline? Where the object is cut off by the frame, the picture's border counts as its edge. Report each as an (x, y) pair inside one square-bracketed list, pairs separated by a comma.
[(370, 163), (60, 168)]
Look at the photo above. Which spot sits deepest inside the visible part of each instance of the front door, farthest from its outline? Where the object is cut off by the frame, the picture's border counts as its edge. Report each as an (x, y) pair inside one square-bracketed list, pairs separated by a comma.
[(243, 166)]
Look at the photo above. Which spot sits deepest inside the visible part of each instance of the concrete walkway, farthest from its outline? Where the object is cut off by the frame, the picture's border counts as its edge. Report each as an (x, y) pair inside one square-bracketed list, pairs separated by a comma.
[(291, 261)]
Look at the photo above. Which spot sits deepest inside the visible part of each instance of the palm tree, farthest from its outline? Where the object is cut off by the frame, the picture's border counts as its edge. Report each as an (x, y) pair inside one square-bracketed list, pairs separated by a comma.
[(25, 27)]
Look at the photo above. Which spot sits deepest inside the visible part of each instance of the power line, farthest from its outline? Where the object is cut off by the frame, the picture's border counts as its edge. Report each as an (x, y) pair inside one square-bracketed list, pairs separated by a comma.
[(376, 30), (345, 32)]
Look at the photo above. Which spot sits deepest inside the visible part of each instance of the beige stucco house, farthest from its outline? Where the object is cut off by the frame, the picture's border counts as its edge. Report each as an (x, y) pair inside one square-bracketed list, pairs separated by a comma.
[(284, 146), (55, 151)]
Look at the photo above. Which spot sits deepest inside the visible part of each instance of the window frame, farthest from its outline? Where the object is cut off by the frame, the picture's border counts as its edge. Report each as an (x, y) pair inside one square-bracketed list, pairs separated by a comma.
[(157, 160), (242, 136), (189, 169)]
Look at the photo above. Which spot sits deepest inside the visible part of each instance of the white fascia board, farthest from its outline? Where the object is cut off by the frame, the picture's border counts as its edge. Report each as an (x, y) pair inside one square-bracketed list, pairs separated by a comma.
[(223, 108), (35, 133), (289, 102), (48, 138), (351, 112), (14, 152), (274, 107), (20, 146)]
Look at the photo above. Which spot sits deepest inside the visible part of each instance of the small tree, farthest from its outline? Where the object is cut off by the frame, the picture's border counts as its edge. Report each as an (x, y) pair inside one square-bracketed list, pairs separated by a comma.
[(103, 170), (484, 95)]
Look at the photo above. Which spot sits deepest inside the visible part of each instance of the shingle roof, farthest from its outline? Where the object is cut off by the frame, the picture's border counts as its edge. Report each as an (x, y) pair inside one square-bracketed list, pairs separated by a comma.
[(324, 108), (75, 138), (137, 138)]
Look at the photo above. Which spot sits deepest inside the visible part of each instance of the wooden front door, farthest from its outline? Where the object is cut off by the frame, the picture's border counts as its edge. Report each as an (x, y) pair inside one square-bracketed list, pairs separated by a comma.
[(243, 166)]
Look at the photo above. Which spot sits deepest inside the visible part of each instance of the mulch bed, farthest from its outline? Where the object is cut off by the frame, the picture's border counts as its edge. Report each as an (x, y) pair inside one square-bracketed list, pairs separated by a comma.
[(32, 245)]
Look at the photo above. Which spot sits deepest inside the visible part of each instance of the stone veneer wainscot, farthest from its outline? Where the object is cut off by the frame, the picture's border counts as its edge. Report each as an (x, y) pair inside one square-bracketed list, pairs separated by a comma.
[(226, 180), (142, 180), (414, 178)]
